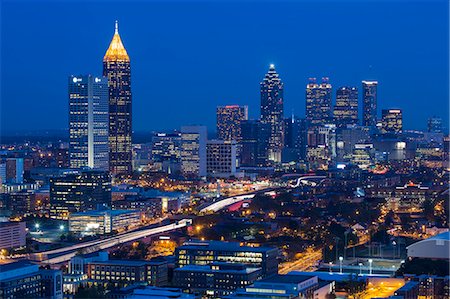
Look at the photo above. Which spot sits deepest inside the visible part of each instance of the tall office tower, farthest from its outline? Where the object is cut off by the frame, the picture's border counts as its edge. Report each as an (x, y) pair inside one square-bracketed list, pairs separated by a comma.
[(435, 125), (346, 139), (255, 143), (346, 107), (296, 130), (391, 121), (116, 67), (77, 192), (193, 151), (272, 112), (369, 92), (318, 102), (220, 158), (88, 122), (229, 120)]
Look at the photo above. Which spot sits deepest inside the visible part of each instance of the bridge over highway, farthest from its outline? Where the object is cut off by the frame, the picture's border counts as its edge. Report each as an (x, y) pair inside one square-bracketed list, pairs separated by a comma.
[(64, 254)]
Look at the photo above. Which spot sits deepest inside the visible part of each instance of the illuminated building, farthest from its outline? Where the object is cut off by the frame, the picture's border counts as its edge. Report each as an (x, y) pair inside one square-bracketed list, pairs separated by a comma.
[(318, 102), (362, 155), (216, 279), (286, 287), (295, 139), (229, 120), (435, 125), (12, 235), (87, 190), (88, 122), (207, 252), (272, 113), (116, 67), (391, 121), (369, 93), (321, 146), (165, 151), (346, 107), (127, 272), (24, 279), (193, 151), (255, 143), (220, 158), (346, 139), (103, 222)]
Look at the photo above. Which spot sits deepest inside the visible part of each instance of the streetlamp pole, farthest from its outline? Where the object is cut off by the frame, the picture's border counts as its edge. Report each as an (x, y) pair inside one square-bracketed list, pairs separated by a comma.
[(340, 264), (360, 268), (370, 266)]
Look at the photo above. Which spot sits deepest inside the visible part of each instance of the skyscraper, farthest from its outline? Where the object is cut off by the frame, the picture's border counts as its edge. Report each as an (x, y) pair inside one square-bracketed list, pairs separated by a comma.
[(229, 120), (272, 112), (391, 121), (318, 102), (88, 122), (193, 151), (369, 103), (116, 67), (295, 139), (346, 107), (255, 143)]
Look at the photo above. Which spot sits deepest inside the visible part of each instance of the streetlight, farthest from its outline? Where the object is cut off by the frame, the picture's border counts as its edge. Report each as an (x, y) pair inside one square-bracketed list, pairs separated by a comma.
[(340, 264), (61, 227), (37, 226), (370, 266), (360, 268), (330, 264)]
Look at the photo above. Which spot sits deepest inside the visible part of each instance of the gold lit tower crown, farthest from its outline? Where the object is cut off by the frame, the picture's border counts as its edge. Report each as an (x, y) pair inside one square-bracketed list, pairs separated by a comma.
[(116, 51)]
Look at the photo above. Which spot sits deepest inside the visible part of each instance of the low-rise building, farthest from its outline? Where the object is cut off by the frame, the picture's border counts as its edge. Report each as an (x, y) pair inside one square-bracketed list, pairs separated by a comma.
[(103, 222), (215, 280), (24, 279)]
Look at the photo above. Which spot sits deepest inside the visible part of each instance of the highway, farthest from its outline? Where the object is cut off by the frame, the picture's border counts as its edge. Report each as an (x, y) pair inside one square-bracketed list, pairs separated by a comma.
[(65, 253), (305, 262)]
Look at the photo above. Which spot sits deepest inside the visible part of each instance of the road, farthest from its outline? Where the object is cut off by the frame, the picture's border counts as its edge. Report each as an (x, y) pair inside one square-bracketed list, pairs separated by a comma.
[(223, 203), (305, 261), (65, 253)]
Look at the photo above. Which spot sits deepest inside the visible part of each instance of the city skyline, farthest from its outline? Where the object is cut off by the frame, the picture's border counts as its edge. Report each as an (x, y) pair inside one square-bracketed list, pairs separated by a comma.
[(145, 107)]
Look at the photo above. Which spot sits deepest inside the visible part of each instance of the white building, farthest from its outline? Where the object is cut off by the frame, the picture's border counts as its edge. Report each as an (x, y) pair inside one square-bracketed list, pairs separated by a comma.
[(437, 247), (193, 151), (221, 158), (103, 222), (12, 235)]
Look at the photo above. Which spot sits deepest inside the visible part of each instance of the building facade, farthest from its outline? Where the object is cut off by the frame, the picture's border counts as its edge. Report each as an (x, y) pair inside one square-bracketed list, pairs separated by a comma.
[(12, 235), (193, 151), (220, 158), (87, 190), (207, 252), (272, 113), (369, 93), (346, 108), (391, 121), (88, 122), (229, 120), (255, 143), (116, 67), (318, 102)]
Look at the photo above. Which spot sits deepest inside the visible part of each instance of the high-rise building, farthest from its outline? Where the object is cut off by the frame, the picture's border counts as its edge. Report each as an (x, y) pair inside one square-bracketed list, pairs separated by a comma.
[(116, 67), (220, 158), (272, 112), (84, 191), (14, 170), (88, 122), (255, 143), (369, 93), (229, 120), (193, 151), (435, 125), (166, 151), (391, 121), (346, 107), (321, 146), (295, 139), (318, 102)]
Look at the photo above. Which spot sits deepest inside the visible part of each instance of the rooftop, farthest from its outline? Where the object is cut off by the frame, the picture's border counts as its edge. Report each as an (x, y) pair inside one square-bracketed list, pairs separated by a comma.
[(220, 245), (288, 278)]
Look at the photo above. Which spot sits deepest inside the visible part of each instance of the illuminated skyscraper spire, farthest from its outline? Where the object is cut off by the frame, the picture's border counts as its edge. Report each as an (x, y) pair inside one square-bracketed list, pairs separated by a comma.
[(116, 50)]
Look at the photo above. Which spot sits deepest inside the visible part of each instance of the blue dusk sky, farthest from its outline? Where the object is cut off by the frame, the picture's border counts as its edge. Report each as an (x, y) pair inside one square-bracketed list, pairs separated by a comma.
[(187, 57)]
